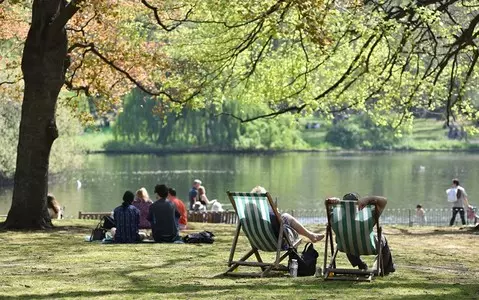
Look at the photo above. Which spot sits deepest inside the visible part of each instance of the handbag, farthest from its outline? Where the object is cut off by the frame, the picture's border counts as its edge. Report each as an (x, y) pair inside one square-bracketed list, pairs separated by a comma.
[(108, 222), (99, 232), (306, 261)]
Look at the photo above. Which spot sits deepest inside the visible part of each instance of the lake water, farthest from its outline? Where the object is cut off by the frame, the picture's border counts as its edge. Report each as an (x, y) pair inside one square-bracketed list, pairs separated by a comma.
[(297, 180)]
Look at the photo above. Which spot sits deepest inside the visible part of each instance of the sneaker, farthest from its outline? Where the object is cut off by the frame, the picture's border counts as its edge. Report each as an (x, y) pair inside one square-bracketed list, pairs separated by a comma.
[(363, 266)]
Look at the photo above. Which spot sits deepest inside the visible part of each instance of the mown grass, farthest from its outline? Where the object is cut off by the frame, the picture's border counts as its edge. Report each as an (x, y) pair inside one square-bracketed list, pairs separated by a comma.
[(432, 263), (95, 141)]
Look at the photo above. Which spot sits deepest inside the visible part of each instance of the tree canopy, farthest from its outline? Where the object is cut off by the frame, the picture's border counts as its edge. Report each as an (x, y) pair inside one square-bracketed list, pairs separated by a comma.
[(387, 58), (384, 57)]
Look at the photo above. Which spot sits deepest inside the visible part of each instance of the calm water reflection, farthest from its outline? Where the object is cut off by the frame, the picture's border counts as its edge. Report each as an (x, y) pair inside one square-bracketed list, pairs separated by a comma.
[(298, 180)]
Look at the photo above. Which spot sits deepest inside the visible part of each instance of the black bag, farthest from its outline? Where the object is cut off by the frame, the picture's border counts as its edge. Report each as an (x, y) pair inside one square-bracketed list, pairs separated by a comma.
[(306, 261), (106, 223), (206, 237), (97, 234)]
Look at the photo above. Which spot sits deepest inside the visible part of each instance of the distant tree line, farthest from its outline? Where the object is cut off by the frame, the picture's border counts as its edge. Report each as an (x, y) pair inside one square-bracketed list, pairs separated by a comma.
[(145, 120)]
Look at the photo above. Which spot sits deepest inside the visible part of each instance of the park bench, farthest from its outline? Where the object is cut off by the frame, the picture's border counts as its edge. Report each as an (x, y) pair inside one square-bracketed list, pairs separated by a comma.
[(92, 215)]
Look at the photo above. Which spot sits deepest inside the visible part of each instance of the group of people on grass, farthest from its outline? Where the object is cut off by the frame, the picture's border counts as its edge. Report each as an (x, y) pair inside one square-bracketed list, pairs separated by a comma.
[(165, 217)]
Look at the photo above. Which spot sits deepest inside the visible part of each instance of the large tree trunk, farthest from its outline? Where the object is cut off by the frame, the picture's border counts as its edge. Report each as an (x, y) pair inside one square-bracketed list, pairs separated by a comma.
[(43, 67)]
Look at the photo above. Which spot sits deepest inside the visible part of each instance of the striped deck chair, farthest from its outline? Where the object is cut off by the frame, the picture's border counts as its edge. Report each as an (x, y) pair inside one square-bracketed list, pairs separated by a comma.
[(254, 218), (354, 233)]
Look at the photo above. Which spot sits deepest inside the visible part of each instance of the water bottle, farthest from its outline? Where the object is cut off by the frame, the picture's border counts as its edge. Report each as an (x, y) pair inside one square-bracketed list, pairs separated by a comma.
[(293, 268)]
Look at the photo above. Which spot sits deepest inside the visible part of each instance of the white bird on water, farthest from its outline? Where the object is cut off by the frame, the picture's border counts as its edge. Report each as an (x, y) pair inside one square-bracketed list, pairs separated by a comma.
[(422, 168), (78, 184)]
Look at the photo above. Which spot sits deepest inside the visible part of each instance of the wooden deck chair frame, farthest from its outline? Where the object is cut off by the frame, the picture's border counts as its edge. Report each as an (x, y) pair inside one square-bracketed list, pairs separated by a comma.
[(266, 268), (330, 271)]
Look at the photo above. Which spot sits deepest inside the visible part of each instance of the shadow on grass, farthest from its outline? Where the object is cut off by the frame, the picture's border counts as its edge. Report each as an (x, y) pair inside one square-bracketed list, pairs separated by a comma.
[(417, 290), (70, 229), (403, 231)]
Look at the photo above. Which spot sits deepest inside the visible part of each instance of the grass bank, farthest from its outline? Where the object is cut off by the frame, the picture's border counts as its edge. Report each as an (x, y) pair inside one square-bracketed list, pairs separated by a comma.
[(427, 135), (432, 263)]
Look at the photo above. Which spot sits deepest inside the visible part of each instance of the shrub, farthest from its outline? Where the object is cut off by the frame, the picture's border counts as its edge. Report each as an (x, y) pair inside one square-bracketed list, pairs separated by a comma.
[(360, 132)]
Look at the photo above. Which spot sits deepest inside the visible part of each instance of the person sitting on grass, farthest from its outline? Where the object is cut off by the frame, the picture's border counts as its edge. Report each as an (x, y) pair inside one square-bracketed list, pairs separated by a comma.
[(127, 221), (162, 216), (54, 209), (289, 221), (180, 207), (142, 202)]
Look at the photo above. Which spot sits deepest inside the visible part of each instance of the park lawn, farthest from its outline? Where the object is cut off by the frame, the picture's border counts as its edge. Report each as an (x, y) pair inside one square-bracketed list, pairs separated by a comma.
[(432, 263)]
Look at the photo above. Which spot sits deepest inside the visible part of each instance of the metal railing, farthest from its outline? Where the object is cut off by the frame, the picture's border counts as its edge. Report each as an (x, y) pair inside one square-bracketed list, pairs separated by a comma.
[(393, 216)]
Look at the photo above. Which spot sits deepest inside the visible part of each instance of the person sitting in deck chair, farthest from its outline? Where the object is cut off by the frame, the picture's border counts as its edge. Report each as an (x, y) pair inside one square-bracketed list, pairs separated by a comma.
[(290, 221), (381, 202)]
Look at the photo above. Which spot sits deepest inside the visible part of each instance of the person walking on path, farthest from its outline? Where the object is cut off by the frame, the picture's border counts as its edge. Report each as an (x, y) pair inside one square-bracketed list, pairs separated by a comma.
[(460, 203)]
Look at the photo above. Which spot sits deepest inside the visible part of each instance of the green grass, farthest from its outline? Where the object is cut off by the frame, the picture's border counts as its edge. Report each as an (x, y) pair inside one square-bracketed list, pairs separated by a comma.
[(427, 135), (432, 263), (95, 141)]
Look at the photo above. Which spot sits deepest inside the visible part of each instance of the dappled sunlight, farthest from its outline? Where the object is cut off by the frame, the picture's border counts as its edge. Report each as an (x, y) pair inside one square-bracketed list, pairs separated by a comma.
[(431, 262)]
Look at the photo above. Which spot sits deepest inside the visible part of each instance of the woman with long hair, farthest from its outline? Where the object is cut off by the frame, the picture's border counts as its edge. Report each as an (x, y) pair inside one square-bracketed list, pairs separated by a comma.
[(53, 206), (142, 202), (202, 196)]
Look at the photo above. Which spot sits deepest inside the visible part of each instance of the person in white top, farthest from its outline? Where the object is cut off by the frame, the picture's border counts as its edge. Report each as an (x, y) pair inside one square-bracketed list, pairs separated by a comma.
[(460, 203)]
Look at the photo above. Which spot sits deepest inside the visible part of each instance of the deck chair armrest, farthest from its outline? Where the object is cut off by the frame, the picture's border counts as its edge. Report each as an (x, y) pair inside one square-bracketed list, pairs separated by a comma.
[(332, 200)]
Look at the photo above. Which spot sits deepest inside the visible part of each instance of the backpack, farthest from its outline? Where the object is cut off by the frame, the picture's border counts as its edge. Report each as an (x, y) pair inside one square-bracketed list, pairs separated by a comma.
[(205, 237), (453, 194), (306, 261)]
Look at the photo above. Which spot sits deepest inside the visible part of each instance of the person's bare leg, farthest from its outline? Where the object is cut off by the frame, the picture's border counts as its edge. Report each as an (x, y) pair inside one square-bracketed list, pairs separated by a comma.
[(296, 225)]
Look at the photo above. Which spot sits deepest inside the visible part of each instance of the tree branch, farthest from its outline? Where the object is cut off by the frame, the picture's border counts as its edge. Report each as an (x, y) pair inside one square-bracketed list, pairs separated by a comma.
[(66, 13), (295, 109)]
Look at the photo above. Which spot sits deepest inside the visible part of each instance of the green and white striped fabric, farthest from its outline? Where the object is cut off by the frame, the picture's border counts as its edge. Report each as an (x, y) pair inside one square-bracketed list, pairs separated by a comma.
[(354, 228), (253, 213)]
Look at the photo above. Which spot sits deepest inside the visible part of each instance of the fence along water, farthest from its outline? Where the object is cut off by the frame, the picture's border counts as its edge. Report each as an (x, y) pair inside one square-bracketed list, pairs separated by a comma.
[(393, 216)]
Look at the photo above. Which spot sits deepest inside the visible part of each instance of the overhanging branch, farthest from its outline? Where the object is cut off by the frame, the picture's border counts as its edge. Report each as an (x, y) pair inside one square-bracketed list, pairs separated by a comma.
[(295, 109)]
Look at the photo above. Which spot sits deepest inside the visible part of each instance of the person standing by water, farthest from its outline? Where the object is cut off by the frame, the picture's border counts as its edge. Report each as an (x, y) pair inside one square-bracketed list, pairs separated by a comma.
[(460, 203), (420, 215), (194, 192)]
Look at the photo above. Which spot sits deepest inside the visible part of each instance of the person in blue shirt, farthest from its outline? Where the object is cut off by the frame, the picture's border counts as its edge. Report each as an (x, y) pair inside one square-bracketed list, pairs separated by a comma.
[(193, 195), (127, 220)]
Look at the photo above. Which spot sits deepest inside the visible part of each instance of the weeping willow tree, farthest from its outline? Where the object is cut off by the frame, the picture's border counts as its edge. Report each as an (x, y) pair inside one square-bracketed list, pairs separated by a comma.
[(144, 120)]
